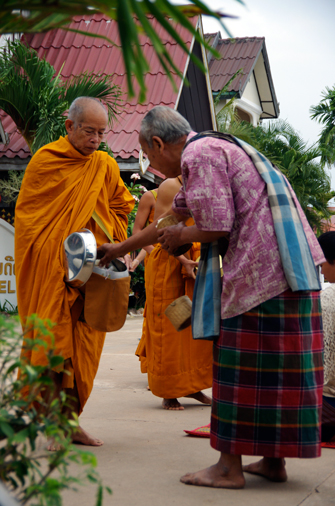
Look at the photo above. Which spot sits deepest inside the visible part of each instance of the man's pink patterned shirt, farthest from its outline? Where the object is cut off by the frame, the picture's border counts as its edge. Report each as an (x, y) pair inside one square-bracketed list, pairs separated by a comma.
[(223, 191)]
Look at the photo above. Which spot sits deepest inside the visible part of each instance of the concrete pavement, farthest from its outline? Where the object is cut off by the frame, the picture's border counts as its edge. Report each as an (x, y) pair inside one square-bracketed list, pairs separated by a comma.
[(146, 450)]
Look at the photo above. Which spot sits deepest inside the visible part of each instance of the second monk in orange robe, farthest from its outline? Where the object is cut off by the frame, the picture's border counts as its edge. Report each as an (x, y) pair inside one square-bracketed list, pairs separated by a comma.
[(177, 365)]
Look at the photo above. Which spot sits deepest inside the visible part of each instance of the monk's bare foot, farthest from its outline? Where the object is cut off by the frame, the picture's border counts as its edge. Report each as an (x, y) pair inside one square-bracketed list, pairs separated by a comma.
[(201, 397), (172, 404), (223, 475), (271, 469), (52, 446), (84, 438)]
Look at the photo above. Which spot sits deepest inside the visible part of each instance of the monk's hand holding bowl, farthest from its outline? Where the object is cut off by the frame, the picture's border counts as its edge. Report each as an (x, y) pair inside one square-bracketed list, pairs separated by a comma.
[(170, 238), (127, 260)]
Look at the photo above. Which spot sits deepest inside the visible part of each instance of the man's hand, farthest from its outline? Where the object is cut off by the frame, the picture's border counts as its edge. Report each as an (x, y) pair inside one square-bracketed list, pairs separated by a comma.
[(106, 253), (170, 237)]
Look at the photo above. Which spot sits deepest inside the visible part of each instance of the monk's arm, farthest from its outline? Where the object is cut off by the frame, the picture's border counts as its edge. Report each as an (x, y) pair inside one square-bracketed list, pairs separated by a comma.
[(121, 202), (145, 205)]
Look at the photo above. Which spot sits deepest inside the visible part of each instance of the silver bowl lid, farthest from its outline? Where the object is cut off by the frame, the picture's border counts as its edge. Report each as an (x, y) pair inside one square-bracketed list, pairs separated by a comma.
[(80, 255)]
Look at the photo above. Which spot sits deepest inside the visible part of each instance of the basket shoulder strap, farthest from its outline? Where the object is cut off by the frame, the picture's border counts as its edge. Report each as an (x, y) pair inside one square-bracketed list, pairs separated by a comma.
[(99, 221)]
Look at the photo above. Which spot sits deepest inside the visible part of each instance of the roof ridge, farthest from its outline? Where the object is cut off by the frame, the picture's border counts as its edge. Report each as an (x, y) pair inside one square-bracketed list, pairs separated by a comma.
[(235, 58), (158, 73), (232, 39), (223, 74), (104, 44), (138, 112)]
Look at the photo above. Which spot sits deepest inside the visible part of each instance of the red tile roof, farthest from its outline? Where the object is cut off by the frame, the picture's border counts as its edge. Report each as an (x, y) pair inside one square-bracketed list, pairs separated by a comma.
[(243, 53), (17, 145), (329, 225), (235, 54), (79, 53)]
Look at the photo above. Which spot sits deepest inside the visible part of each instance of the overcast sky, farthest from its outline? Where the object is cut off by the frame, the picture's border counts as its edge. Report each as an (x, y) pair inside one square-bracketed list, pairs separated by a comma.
[(300, 41)]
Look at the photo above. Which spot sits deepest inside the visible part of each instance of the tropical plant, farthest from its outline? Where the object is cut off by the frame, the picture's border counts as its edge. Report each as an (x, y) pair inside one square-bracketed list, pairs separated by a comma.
[(36, 99), (137, 191), (26, 468), (137, 286), (300, 163), (8, 308), (17, 16), (324, 113), (137, 277), (10, 187), (227, 114)]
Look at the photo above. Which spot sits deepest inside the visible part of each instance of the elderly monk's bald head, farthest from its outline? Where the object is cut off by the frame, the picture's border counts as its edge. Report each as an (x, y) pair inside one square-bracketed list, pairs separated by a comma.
[(86, 124)]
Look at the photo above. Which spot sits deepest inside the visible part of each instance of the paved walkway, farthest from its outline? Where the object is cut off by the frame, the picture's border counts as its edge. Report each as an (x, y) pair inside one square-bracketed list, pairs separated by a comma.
[(146, 450)]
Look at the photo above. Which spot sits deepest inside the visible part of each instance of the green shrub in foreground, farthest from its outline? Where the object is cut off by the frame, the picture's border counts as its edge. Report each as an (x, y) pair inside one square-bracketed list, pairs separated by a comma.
[(28, 470)]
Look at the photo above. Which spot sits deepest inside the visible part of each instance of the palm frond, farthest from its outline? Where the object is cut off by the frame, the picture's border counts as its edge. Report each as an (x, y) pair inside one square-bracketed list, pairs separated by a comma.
[(36, 99), (324, 113), (40, 16), (301, 164), (101, 87)]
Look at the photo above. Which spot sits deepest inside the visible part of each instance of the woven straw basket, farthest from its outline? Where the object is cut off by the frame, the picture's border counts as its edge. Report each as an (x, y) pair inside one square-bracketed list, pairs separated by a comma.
[(179, 312), (168, 221)]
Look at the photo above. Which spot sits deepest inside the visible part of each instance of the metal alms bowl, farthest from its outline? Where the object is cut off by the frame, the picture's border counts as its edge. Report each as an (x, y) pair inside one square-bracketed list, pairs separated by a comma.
[(115, 270), (80, 255)]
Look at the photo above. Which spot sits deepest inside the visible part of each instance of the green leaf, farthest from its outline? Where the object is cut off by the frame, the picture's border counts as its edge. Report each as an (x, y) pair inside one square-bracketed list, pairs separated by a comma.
[(6, 429), (12, 368), (55, 361), (21, 436), (99, 496)]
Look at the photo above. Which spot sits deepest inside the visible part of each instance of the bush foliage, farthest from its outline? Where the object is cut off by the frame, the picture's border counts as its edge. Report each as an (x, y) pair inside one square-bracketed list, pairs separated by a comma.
[(29, 417)]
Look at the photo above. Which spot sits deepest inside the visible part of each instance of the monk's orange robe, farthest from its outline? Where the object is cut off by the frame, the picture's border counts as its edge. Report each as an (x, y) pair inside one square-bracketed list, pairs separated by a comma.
[(140, 350), (177, 365), (60, 190)]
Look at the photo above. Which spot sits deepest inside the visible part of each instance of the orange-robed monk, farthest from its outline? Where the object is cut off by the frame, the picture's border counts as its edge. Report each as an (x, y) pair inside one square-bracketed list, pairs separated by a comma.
[(65, 182), (177, 365)]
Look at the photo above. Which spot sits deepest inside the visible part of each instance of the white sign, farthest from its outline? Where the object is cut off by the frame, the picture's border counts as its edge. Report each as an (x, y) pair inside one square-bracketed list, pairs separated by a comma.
[(7, 266)]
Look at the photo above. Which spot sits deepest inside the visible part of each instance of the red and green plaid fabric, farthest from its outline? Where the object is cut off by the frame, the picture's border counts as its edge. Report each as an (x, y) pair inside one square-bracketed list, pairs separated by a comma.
[(268, 379)]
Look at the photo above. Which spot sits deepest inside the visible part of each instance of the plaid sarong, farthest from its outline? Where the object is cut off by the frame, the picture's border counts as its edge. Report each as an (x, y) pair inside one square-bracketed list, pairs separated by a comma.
[(268, 379)]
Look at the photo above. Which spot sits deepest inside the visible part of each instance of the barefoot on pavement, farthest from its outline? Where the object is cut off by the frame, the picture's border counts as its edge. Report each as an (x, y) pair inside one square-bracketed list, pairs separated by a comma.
[(214, 477), (52, 446), (269, 468), (201, 397), (172, 404), (84, 438)]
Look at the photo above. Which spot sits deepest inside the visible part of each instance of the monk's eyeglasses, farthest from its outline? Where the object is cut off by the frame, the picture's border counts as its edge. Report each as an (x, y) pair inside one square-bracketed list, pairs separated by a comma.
[(94, 133)]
